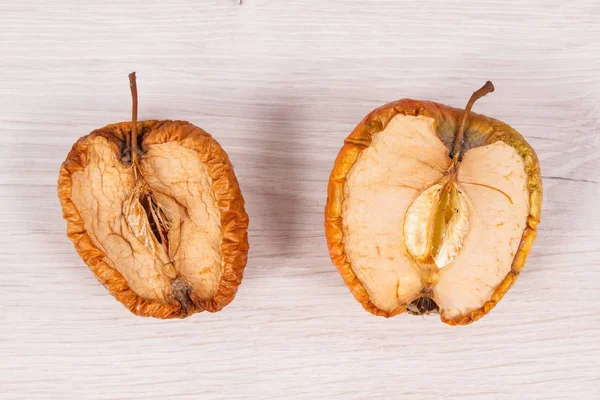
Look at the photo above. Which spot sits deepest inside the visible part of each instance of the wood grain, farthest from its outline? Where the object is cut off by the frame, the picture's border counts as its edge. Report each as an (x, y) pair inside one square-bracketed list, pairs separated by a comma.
[(280, 84)]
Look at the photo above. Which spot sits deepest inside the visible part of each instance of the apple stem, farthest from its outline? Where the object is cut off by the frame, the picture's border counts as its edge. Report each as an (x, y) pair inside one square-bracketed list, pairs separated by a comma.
[(134, 112), (488, 87)]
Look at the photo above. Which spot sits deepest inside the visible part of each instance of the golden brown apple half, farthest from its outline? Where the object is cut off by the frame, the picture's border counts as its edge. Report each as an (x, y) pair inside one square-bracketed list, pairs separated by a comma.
[(432, 209), (155, 211)]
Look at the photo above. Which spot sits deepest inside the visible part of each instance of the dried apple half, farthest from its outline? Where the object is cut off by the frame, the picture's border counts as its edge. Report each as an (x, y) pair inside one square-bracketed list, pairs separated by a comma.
[(155, 211), (432, 209)]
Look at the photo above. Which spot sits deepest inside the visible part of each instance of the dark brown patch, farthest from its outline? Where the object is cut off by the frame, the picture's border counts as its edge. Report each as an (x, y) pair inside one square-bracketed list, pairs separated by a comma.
[(159, 223), (149, 208), (182, 292), (126, 156), (423, 306)]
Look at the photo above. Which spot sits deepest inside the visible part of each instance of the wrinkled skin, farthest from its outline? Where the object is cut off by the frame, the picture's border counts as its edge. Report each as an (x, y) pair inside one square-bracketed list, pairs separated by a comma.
[(383, 212), (167, 237)]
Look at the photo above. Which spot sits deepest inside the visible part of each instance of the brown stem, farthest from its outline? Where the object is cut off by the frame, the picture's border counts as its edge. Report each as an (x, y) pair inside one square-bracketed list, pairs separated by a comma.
[(134, 112), (457, 150)]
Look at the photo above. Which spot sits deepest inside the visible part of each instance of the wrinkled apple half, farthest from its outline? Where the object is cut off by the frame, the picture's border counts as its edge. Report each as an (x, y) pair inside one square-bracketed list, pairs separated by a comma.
[(156, 212), (414, 225)]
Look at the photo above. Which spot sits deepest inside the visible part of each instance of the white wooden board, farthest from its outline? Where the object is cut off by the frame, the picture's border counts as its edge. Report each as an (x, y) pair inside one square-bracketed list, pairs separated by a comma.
[(280, 84)]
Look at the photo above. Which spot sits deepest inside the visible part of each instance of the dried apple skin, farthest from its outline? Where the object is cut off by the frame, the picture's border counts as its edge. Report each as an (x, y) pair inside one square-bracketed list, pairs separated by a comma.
[(480, 131), (233, 218)]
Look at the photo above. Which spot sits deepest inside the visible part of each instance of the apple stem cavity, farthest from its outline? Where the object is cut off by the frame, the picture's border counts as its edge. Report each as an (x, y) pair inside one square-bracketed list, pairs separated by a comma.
[(134, 112), (456, 154)]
